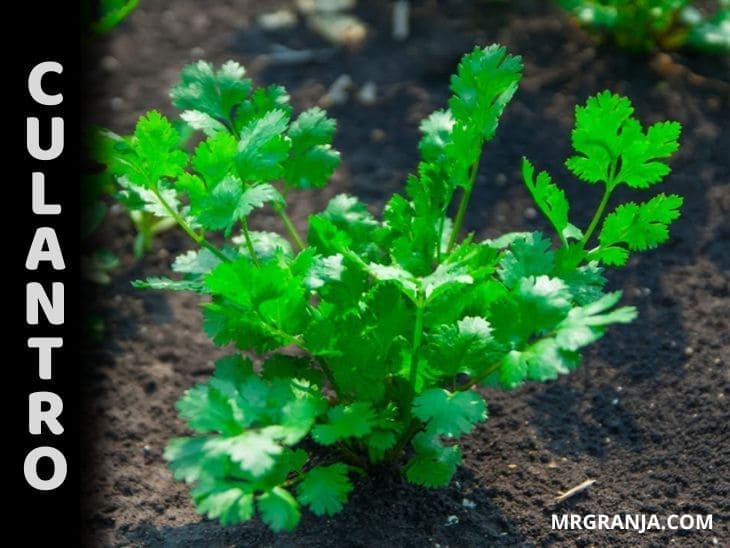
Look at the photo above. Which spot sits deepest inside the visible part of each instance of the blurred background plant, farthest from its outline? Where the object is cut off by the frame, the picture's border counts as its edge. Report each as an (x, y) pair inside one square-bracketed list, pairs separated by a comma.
[(100, 16), (649, 25)]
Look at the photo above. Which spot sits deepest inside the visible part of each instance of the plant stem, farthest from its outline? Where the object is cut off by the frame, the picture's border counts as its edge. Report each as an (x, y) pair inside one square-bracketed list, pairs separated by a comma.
[(197, 238), (293, 232), (417, 336), (330, 377), (411, 430), (471, 383), (597, 216), (463, 204), (249, 243), (351, 456)]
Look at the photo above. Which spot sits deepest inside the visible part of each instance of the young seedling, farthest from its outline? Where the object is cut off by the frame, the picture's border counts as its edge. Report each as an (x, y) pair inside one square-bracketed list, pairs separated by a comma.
[(369, 336)]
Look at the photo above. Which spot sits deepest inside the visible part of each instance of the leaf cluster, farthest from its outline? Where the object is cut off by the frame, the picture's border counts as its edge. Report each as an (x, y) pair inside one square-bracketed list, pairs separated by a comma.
[(372, 332)]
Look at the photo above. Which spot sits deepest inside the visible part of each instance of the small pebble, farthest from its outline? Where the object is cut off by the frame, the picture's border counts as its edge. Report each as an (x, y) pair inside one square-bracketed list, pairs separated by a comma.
[(277, 20), (717, 361), (466, 503), (368, 93), (117, 103), (614, 401), (339, 91), (530, 213), (109, 63), (197, 52), (511, 466), (452, 520), (688, 351), (377, 135)]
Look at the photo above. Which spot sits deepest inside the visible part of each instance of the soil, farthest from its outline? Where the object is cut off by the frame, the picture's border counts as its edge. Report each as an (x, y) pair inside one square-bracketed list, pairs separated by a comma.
[(646, 416)]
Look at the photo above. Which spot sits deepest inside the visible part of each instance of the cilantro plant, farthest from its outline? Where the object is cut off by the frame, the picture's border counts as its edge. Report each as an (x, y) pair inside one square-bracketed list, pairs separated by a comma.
[(645, 25), (363, 342)]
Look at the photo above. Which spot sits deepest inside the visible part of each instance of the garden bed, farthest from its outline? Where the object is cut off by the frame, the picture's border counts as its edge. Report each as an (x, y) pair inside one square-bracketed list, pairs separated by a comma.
[(645, 416)]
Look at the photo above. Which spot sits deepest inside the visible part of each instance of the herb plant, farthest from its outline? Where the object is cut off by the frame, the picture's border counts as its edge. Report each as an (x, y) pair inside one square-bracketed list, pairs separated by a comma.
[(646, 25), (363, 343)]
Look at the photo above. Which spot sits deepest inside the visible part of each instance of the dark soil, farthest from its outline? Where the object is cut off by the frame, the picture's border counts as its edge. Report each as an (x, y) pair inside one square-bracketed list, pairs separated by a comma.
[(646, 416)]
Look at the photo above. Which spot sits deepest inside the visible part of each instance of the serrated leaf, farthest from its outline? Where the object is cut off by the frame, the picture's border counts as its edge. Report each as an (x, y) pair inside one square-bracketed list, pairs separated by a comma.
[(585, 324), (312, 159), (433, 464), (345, 421), (213, 158), (208, 410), (324, 489), (263, 147), (464, 347), (637, 227), (211, 92), (612, 146), (229, 505), (436, 135), (449, 414), (279, 509), (530, 255), (551, 200)]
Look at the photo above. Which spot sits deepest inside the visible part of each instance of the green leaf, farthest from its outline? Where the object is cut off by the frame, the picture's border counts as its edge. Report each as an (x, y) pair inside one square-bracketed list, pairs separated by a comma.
[(464, 347), (229, 505), (151, 154), (641, 153), (312, 159), (208, 410), (637, 227), (449, 413), (211, 95), (213, 158), (433, 464), (530, 255), (166, 284), (584, 325), (191, 461), (551, 200), (263, 147), (596, 136), (613, 148), (345, 421), (279, 509), (436, 130), (485, 81), (324, 489)]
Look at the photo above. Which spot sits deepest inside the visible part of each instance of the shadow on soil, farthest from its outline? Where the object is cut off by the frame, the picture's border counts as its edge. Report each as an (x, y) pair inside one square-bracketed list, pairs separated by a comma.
[(383, 510)]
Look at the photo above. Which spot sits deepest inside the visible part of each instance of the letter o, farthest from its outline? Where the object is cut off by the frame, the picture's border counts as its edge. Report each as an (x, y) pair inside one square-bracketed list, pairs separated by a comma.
[(30, 468)]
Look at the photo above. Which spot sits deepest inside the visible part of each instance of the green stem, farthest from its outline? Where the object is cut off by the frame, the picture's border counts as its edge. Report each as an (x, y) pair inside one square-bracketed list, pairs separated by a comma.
[(417, 336), (463, 204), (293, 232), (597, 216), (351, 456), (471, 383), (411, 430), (197, 238), (330, 377), (249, 243)]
